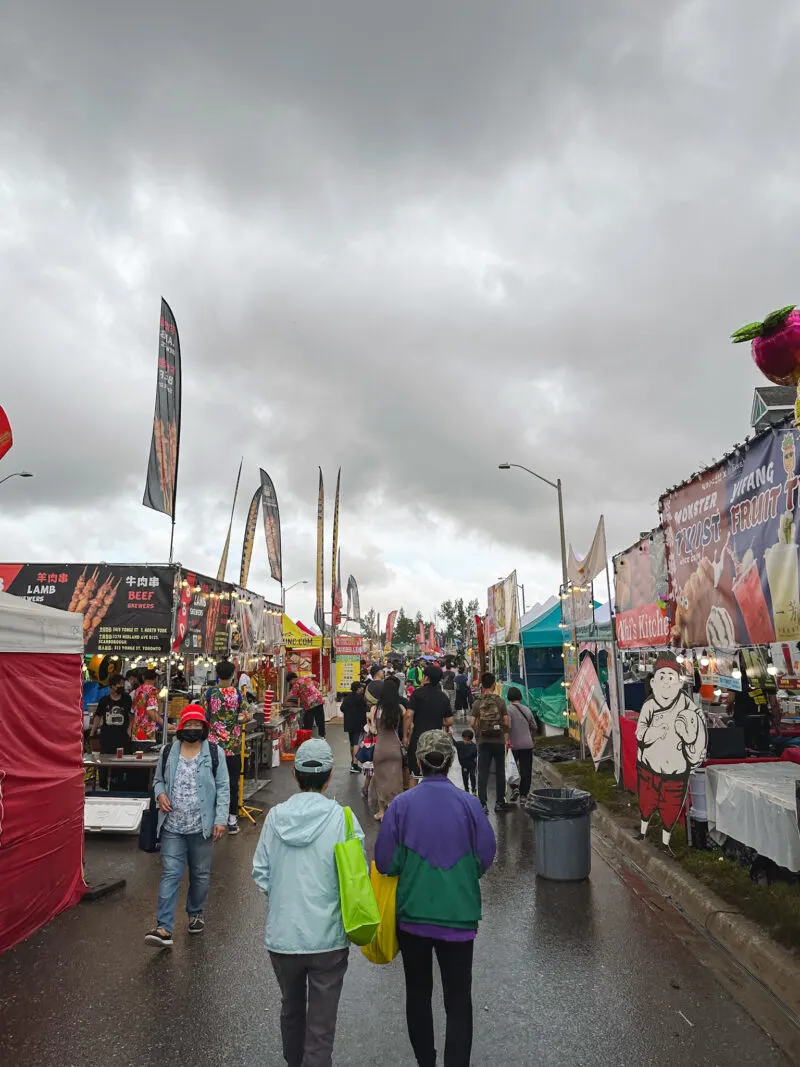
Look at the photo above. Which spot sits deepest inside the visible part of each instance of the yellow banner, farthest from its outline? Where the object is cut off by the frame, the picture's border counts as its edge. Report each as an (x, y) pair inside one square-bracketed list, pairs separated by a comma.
[(223, 563), (249, 538)]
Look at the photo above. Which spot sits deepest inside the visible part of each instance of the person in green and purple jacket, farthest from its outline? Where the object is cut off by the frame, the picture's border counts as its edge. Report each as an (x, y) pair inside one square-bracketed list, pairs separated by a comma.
[(439, 843)]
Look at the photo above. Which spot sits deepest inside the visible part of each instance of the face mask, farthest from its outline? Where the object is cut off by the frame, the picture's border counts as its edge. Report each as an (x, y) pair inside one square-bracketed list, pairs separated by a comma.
[(190, 736)]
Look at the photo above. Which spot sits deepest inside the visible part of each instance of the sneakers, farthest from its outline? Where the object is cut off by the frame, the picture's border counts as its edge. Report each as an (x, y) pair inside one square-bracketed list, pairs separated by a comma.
[(159, 939), (355, 768), (485, 809), (196, 924), (233, 826)]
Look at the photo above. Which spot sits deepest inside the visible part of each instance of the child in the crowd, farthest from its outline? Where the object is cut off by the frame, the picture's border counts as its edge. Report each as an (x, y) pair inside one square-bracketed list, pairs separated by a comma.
[(295, 866), (468, 759)]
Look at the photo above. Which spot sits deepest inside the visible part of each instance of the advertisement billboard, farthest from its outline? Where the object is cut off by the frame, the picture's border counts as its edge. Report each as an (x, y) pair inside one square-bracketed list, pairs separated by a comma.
[(732, 548), (641, 593), (125, 608)]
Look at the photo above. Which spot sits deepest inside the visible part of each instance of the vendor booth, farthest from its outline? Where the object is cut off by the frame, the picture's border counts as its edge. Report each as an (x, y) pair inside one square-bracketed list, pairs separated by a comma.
[(41, 774), (542, 639)]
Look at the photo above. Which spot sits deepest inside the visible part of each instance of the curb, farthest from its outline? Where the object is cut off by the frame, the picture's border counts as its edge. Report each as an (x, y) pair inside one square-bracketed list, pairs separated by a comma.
[(766, 960)]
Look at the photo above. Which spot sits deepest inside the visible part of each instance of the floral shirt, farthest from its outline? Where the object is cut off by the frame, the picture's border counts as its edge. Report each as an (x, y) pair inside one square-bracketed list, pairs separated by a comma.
[(185, 817), (145, 700), (306, 693), (224, 706)]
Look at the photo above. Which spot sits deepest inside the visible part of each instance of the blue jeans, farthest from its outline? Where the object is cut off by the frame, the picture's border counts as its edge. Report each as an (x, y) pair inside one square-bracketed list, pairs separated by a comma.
[(176, 851)]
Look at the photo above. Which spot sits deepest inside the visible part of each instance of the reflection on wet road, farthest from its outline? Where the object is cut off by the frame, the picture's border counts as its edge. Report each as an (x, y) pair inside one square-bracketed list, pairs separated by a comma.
[(565, 975)]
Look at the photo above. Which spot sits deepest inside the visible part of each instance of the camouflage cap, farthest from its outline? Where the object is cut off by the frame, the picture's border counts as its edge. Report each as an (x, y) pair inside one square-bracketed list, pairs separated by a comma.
[(435, 743)]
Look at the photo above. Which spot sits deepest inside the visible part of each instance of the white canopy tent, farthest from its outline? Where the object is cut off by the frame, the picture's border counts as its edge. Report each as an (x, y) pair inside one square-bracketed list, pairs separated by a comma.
[(29, 627)]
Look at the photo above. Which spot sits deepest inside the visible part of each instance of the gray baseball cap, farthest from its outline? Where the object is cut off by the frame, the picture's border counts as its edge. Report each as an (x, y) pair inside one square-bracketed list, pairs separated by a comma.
[(314, 756)]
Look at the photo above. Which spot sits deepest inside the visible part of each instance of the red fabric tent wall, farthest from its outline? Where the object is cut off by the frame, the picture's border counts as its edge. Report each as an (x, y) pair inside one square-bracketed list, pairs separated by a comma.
[(41, 790)]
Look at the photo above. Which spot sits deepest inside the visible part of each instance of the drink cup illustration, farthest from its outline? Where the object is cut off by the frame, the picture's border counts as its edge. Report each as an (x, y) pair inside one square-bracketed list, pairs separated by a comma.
[(782, 575), (750, 598)]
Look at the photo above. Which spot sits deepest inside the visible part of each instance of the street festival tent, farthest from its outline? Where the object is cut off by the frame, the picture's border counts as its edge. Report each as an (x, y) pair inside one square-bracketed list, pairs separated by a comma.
[(41, 768), (542, 640)]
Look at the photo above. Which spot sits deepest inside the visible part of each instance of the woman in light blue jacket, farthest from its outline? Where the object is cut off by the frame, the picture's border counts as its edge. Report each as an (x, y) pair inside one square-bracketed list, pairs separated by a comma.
[(192, 791), (294, 865)]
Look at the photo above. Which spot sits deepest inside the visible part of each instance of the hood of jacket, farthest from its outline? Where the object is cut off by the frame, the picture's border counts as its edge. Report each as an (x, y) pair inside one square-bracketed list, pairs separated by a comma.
[(299, 821)]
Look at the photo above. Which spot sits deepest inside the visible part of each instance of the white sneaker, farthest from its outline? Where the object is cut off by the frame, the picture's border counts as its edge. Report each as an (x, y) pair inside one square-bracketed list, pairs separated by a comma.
[(233, 826)]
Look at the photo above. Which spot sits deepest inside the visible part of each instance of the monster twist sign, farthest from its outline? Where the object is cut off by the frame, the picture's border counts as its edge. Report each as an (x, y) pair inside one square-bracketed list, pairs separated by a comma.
[(671, 739)]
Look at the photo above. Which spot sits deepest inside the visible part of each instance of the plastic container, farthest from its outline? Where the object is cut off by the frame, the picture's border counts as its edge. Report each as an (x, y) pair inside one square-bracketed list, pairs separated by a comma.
[(698, 808), (562, 826)]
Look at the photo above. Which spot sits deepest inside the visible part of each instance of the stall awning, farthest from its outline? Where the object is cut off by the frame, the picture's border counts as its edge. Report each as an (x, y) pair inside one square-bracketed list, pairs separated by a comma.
[(545, 631), (29, 627), (295, 636)]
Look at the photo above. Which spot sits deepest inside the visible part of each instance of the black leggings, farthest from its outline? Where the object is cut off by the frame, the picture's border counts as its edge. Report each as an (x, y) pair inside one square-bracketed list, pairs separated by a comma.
[(315, 715), (524, 758), (455, 966), (234, 762)]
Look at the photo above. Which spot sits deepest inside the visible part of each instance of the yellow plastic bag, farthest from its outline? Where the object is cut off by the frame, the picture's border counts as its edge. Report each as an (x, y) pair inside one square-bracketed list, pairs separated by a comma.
[(384, 947)]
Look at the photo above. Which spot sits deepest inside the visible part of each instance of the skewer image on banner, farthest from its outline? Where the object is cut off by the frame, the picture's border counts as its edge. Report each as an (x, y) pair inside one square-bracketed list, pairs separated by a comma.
[(162, 467)]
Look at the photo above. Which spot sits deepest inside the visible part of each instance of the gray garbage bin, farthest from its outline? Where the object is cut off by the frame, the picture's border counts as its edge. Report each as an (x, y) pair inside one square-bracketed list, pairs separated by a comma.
[(562, 833)]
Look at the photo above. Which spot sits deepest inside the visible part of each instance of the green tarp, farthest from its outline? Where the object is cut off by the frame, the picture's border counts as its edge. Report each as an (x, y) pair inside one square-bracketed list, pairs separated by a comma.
[(548, 705)]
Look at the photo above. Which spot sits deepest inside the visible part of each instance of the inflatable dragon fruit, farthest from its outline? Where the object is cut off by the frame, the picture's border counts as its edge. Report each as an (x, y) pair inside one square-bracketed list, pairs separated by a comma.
[(775, 344)]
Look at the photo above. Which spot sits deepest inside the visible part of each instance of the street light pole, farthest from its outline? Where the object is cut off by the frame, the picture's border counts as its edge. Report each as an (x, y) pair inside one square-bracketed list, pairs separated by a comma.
[(287, 589), (553, 485), (16, 474)]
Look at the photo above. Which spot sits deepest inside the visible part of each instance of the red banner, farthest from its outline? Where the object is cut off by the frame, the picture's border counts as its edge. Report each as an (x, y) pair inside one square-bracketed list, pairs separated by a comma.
[(6, 437), (390, 621), (641, 590)]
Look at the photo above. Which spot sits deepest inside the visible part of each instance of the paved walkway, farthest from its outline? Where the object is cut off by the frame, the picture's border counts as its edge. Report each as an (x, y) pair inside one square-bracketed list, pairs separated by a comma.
[(565, 975)]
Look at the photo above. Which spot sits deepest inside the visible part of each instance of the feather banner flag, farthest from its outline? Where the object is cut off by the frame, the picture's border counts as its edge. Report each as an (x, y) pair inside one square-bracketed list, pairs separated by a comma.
[(390, 621), (223, 563), (353, 600), (319, 610), (272, 526), (249, 538), (336, 612)]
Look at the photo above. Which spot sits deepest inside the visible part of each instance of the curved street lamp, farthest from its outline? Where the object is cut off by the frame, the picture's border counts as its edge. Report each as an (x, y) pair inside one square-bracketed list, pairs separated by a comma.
[(16, 474), (553, 485), (287, 589)]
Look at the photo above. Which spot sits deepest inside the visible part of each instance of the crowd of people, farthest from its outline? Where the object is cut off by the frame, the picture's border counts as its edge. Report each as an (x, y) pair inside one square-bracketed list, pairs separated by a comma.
[(386, 712), (434, 836)]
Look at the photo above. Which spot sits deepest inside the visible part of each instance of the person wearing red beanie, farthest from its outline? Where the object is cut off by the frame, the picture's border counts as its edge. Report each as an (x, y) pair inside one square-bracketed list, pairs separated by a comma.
[(192, 791)]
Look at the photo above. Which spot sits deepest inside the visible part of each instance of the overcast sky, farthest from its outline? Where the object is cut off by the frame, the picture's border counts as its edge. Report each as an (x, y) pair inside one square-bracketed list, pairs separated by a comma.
[(413, 240)]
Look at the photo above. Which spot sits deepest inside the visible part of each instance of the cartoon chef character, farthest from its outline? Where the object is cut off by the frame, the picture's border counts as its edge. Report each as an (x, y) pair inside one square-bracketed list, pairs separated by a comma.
[(671, 737)]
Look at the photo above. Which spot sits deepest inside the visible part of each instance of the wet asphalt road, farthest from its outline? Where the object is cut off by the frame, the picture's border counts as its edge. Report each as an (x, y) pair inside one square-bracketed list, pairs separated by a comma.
[(565, 975)]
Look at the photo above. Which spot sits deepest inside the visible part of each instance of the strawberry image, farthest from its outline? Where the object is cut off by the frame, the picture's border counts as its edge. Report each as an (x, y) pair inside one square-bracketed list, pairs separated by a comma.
[(775, 344)]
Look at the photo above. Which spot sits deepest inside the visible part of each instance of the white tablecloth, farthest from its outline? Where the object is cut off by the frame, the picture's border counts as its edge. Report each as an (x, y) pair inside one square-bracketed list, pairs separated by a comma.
[(755, 804)]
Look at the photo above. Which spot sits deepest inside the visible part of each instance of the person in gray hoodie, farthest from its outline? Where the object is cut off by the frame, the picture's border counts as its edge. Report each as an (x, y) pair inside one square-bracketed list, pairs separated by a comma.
[(294, 866)]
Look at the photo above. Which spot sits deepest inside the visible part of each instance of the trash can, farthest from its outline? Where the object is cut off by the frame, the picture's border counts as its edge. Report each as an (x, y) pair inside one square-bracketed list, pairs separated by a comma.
[(562, 833)]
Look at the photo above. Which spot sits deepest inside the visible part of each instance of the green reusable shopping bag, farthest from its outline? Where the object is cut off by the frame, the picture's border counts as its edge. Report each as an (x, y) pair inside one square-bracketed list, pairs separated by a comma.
[(360, 913)]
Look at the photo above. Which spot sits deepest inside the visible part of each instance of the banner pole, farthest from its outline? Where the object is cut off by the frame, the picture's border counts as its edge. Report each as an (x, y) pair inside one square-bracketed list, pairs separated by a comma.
[(175, 601)]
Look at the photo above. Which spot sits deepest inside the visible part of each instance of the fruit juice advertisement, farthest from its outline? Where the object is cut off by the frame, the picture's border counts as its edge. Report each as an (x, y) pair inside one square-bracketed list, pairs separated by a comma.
[(695, 522), (732, 548), (762, 490)]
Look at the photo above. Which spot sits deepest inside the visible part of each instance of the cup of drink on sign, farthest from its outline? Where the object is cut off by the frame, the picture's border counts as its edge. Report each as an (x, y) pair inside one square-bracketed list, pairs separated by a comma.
[(139, 753), (120, 753), (782, 575), (752, 604)]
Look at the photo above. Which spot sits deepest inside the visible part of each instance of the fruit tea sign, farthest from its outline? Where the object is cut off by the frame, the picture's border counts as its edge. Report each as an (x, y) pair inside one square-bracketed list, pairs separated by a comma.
[(732, 548)]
